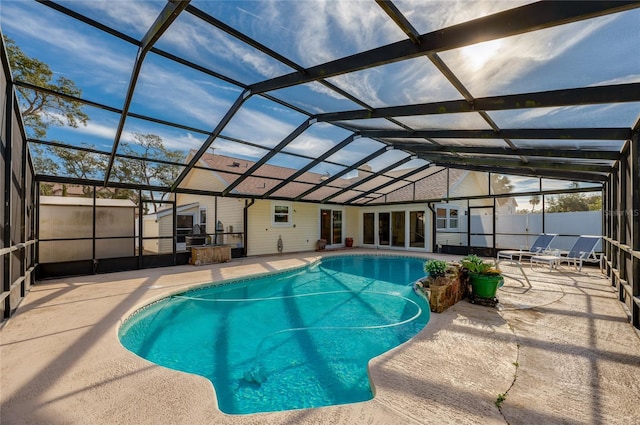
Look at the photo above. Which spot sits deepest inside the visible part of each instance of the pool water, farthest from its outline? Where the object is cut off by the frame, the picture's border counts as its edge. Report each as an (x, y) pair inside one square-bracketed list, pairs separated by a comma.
[(291, 340)]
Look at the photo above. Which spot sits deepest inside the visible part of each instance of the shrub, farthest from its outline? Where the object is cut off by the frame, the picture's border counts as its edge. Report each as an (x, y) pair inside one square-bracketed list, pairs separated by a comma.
[(477, 265), (436, 267)]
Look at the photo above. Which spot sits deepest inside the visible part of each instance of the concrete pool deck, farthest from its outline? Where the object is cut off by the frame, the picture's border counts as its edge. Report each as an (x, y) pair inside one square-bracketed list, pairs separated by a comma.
[(561, 349)]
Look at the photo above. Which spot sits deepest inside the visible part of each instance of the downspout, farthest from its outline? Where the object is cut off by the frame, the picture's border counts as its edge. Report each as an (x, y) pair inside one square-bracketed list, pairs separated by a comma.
[(247, 204), (433, 227), (93, 236), (215, 221)]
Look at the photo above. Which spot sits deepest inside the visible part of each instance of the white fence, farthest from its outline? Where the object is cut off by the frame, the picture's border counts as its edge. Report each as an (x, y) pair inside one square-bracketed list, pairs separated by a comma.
[(520, 230)]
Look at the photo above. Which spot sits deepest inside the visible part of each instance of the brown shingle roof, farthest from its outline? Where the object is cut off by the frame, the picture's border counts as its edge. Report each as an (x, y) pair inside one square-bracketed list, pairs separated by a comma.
[(269, 176)]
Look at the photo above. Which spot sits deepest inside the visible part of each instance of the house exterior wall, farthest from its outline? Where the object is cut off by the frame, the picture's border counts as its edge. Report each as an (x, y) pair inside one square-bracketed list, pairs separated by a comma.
[(203, 180), (157, 225), (165, 228), (230, 212), (231, 215), (301, 235), (151, 229), (352, 226), (470, 184)]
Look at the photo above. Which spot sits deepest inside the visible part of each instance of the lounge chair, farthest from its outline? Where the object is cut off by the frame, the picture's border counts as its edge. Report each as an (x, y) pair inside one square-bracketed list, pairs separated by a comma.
[(539, 246), (582, 250)]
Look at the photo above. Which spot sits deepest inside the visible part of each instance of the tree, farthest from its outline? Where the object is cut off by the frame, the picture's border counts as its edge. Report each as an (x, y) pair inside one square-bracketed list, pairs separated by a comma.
[(500, 184), (82, 164), (534, 200), (574, 202), (39, 109), (150, 148)]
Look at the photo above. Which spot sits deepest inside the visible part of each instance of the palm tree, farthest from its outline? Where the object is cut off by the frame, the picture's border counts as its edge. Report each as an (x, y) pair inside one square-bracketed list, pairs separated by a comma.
[(534, 200)]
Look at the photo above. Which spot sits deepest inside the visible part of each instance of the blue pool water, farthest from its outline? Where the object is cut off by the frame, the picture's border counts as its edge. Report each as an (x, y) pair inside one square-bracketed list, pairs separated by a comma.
[(291, 340)]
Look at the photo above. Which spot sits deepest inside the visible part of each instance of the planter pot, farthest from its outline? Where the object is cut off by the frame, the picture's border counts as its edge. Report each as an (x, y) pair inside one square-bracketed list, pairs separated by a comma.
[(443, 291), (485, 286), (348, 242)]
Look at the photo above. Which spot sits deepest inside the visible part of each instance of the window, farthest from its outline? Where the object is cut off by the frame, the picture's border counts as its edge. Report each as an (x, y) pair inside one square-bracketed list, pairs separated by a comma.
[(281, 214), (447, 217)]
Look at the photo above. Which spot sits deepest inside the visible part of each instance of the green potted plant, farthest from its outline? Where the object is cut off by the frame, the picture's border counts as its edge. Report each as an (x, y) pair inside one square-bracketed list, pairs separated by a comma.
[(484, 278), (436, 268)]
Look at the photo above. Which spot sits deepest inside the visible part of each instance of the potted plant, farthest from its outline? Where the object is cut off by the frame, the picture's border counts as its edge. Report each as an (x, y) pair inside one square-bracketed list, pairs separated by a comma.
[(484, 278), (436, 268), (443, 285)]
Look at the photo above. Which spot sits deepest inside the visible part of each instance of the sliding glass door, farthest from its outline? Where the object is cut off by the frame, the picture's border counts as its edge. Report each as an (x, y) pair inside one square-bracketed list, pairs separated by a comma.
[(384, 223), (397, 229), (368, 229)]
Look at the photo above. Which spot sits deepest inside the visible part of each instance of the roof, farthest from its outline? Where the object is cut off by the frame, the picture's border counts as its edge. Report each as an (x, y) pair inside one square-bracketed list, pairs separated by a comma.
[(431, 186), (169, 211), (546, 89)]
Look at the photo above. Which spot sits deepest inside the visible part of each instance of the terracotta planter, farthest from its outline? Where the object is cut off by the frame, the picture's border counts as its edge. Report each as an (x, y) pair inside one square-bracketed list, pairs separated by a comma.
[(348, 242), (485, 286)]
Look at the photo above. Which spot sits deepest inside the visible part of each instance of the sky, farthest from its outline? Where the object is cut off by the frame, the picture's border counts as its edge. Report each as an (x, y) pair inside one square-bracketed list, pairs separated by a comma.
[(588, 53)]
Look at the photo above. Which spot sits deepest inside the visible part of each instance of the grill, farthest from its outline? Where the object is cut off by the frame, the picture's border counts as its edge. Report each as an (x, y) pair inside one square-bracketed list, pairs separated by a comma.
[(196, 237)]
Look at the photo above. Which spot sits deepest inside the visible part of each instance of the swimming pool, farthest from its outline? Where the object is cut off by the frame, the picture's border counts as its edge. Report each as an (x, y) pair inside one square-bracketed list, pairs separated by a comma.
[(291, 340)]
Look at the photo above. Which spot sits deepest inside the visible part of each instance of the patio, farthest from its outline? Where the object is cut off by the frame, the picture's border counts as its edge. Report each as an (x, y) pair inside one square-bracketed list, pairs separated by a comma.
[(562, 350)]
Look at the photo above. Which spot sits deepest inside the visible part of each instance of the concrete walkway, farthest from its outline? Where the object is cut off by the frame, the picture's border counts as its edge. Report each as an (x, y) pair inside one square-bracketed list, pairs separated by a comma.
[(558, 351)]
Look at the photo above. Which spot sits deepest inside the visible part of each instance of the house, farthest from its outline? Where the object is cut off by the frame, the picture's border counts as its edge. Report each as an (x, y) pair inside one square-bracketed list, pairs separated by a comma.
[(262, 226)]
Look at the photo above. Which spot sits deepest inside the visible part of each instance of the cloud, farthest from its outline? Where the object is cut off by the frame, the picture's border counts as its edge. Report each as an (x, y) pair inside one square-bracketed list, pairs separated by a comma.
[(199, 40), (106, 131), (494, 67), (237, 150), (627, 79), (252, 125), (132, 18), (614, 115), (98, 58), (310, 145), (430, 16), (164, 90)]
